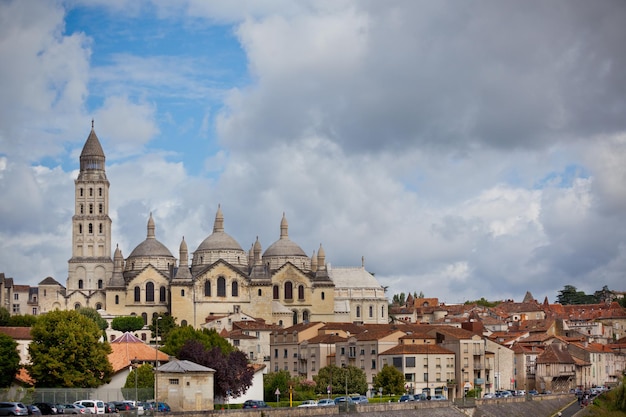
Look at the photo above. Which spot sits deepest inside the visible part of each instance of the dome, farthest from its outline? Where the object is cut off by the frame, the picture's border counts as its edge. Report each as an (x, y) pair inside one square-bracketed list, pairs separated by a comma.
[(284, 247), (285, 250), (150, 251), (218, 241), (219, 245)]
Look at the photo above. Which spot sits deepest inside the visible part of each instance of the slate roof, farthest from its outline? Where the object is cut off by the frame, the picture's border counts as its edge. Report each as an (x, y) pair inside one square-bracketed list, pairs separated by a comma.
[(184, 366)]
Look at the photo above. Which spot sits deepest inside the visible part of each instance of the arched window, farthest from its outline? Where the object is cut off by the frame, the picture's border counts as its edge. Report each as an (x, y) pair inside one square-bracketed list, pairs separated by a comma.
[(162, 294), (260, 292), (235, 289), (100, 208), (183, 323), (137, 294), (117, 299), (100, 228), (150, 292), (295, 317), (100, 284), (382, 311), (100, 191), (207, 288), (90, 228), (90, 208), (80, 191), (80, 284), (358, 311), (82, 209), (305, 316), (98, 306), (371, 311), (221, 287), (323, 295), (91, 192), (76, 306), (288, 291), (275, 291), (80, 228), (300, 292), (144, 316), (182, 293)]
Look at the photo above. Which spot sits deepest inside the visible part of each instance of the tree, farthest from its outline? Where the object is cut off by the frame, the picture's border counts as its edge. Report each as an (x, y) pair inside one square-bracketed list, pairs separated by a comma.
[(66, 352), (4, 316), (145, 381), (127, 323), (390, 380), (398, 299), (167, 323), (9, 360), (335, 377), (20, 320), (208, 337), (232, 372), (93, 314), (570, 295), (273, 381)]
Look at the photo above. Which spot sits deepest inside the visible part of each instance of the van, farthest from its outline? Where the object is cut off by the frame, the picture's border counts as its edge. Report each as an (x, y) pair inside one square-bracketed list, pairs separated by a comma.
[(94, 406)]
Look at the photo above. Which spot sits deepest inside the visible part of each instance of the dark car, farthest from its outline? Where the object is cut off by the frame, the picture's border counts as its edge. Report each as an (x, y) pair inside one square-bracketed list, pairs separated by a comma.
[(109, 408), (161, 408), (122, 406), (255, 404), (33, 410), (47, 409), (406, 398)]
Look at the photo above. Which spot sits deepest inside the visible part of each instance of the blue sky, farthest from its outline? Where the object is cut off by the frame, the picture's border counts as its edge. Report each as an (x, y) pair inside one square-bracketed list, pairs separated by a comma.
[(465, 150)]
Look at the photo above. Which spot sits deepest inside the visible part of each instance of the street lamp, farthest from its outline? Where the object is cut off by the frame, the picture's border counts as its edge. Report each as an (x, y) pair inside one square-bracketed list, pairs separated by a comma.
[(134, 366), (156, 363), (498, 370)]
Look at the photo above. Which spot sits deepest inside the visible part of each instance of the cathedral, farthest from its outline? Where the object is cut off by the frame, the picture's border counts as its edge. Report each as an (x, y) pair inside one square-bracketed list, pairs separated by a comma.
[(281, 285)]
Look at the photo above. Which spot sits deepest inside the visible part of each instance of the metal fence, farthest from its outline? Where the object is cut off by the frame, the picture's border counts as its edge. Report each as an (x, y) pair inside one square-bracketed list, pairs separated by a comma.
[(69, 395)]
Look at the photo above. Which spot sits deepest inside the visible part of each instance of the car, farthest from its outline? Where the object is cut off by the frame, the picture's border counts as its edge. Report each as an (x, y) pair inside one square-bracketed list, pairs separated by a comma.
[(360, 399), (11, 408), (46, 409), (406, 398), (33, 410), (73, 409), (308, 403), (255, 404), (438, 397), (161, 407), (109, 408), (489, 395), (325, 402), (147, 408), (342, 400), (533, 392), (122, 406), (94, 406)]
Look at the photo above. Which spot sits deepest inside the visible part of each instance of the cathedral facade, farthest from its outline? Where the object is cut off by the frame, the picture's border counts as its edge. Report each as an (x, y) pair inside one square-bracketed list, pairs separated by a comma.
[(281, 285)]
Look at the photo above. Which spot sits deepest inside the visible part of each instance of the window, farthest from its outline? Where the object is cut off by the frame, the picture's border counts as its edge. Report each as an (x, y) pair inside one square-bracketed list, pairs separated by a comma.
[(100, 284), (100, 228), (300, 292), (90, 208), (409, 377), (91, 192), (276, 353), (410, 361), (100, 208), (76, 306), (80, 228), (276, 295), (295, 317), (284, 353), (373, 363), (173, 381), (162, 294), (182, 293), (382, 311), (98, 306), (90, 228), (358, 311), (323, 295), (16, 308), (305, 316), (288, 290), (117, 299), (259, 292), (16, 296), (425, 376), (150, 292), (80, 191), (221, 287), (137, 294), (80, 284), (207, 288), (82, 209), (371, 311), (144, 316), (100, 191), (397, 361), (236, 342), (183, 323), (235, 289)]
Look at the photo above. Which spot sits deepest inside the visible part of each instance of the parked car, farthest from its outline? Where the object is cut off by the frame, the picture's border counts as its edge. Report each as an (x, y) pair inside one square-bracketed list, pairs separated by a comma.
[(33, 410), (489, 395), (341, 400), (94, 406), (406, 398), (161, 407), (438, 397), (255, 404), (325, 402), (109, 408), (73, 409), (147, 408), (13, 409), (308, 403), (533, 392), (122, 406), (360, 399), (47, 409)]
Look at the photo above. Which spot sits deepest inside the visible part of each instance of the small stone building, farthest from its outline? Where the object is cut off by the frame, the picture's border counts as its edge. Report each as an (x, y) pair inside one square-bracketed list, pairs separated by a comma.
[(185, 386)]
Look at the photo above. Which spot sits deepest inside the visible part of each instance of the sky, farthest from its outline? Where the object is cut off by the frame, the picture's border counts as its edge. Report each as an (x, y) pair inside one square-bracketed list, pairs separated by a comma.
[(461, 149)]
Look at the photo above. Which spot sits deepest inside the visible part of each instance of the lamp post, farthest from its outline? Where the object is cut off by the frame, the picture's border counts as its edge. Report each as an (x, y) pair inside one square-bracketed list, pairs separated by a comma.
[(498, 370), (134, 365), (156, 364)]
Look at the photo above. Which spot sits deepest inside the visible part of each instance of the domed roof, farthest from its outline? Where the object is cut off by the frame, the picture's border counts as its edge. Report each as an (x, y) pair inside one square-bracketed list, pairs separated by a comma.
[(284, 246), (219, 240), (151, 246)]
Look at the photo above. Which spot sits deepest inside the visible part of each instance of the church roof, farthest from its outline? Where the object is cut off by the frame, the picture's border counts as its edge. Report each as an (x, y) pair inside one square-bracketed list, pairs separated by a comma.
[(92, 146), (151, 246), (284, 246), (352, 277), (219, 239)]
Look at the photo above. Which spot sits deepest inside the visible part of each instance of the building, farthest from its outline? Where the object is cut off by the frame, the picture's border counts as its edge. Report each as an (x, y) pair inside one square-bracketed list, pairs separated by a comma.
[(281, 285)]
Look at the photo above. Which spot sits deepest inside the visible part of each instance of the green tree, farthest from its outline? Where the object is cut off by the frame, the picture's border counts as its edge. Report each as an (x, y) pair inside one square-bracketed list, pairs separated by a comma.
[(335, 377), (483, 302), (66, 352), (208, 337), (399, 299), (276, 380), (167, 323), (4, 316), (570, 295), (9, 360), (93, 314), (390, 380), (127, 323), (20, 320), (145, 381)]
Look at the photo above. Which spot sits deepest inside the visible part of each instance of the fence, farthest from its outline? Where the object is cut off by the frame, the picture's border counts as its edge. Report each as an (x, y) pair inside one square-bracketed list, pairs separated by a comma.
[(69, 395)]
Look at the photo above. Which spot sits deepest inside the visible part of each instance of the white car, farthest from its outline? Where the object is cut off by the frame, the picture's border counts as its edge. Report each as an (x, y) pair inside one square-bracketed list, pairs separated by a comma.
[(308, 403), (94, 406)]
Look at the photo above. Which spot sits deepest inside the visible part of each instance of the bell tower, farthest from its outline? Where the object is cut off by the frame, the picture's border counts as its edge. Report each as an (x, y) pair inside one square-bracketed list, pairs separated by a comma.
[(91, 266)]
